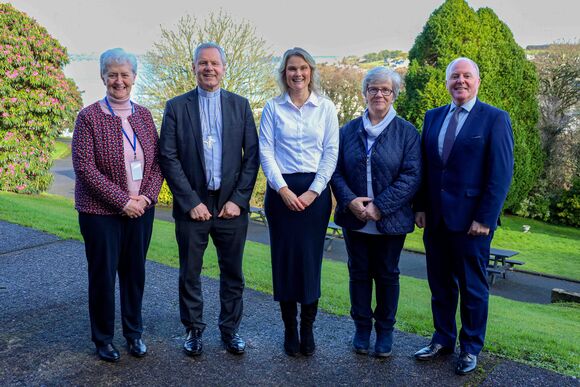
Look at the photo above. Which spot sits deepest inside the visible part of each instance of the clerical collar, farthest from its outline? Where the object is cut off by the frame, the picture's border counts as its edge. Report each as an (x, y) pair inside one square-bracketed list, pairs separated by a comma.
[(208, 94)]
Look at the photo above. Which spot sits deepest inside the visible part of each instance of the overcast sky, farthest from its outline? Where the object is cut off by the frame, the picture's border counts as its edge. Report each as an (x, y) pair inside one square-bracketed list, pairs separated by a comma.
[(323, 27)]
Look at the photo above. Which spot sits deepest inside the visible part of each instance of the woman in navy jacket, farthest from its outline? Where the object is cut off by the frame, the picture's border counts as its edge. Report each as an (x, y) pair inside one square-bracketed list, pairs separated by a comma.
[(377, 175)]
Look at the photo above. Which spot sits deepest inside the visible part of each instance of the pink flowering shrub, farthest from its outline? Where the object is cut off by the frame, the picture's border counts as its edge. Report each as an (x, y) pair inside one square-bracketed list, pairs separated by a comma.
[(36, 101)]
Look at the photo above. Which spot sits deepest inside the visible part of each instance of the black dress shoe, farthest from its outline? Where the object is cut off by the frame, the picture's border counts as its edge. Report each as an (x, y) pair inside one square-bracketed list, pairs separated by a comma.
[(108, 353), (466, 363), (137, 347), (432, 351), (234, 343), (193, 345)]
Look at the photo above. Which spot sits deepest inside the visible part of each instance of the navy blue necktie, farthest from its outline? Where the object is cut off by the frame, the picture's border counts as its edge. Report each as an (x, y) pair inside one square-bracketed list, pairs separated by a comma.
[(450, 134)]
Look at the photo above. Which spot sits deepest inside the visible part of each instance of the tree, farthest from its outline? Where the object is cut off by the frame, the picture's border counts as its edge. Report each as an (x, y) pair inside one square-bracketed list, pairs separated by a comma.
[(342, 84), (168, 72), (36, 101), (508, 80)]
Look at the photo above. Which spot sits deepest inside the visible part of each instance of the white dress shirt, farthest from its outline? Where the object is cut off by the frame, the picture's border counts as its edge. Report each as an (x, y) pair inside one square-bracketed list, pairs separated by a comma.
[(467, 106), (299, 140)]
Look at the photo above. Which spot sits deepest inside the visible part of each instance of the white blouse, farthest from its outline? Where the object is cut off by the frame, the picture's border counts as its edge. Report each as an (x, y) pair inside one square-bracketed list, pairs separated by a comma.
[(299, 140)]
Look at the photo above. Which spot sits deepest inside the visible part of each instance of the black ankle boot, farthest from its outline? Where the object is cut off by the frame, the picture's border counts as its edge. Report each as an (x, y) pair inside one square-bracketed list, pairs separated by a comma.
[(307, 317), (291, 342)]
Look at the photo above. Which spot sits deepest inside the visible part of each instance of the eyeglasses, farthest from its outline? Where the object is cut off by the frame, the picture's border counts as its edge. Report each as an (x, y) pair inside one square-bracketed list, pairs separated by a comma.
[(375, 90)]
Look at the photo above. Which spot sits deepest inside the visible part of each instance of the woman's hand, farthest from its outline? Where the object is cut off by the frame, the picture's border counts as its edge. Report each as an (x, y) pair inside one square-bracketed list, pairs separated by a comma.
[(290, 199), (358, 206), (307, 198), (134, 208)]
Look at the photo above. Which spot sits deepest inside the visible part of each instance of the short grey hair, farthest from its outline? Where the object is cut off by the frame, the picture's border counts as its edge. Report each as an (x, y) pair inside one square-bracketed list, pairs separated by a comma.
[(314, 85), (455, 61), (205, 45), (383, 74), (117, 56)]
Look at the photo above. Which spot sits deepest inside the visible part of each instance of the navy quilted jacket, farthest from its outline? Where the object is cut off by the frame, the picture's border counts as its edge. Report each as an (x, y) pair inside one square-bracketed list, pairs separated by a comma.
[(396, 173)]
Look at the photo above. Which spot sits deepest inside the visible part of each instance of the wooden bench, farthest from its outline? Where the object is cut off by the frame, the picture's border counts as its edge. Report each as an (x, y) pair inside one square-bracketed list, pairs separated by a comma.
[(258, 215), (333, 231), (500, 261)]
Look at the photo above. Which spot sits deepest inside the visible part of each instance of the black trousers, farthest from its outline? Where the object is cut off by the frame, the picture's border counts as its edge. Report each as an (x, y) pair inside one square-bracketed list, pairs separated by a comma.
[(373, 258), (116, 244), (229, 238)]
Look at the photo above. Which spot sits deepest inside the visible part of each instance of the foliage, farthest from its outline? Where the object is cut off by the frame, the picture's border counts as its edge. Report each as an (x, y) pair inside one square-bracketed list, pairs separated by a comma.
[(538, 203), (508, 79), (384, 55), (540, 335), (36, 101), (568, 206), (342, 84), (168, 66)]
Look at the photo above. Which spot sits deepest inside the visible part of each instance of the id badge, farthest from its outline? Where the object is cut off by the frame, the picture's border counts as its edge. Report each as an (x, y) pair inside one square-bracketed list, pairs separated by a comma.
[(137, 170)]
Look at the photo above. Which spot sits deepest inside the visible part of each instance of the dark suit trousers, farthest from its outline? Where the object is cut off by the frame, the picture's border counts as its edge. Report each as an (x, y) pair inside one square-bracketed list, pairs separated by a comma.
[(229, 237), (457, 265), (373, 258), (116, 244)]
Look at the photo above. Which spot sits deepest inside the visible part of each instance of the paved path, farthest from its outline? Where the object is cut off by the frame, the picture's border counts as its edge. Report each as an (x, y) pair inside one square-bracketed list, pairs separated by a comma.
[(518, 286), (45, 340)]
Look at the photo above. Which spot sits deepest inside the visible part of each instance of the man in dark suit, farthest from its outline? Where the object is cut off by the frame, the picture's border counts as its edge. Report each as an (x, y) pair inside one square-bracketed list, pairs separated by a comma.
[(468, 163), (209, 157)]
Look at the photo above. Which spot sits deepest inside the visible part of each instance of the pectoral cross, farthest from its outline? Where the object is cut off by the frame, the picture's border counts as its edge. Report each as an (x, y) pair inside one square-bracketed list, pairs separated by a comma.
[(209, 141)]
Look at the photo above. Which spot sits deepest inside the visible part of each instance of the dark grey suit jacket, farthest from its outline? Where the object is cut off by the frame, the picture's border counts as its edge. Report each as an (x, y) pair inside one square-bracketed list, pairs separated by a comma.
[(182, 159)]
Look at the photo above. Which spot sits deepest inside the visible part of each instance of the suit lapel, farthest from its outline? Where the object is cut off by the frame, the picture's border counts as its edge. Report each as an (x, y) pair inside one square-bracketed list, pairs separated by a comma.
[(226, 130), (194, 119)]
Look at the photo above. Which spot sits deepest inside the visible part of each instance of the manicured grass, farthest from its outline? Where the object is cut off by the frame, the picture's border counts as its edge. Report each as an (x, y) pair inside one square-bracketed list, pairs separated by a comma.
[(61, 150), (541, 335), (546, 248)]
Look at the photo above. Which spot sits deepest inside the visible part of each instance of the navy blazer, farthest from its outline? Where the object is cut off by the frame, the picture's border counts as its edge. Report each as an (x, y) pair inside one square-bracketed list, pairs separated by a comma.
[(396, 174), (182, 159), (474, 182)]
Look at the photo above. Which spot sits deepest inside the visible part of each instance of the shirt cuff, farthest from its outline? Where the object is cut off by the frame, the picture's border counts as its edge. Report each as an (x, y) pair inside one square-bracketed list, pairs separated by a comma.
[(317, 187)]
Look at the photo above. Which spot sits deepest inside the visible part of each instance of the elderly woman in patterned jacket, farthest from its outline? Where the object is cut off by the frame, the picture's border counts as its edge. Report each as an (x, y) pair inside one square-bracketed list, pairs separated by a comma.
[(378, 173), (115, 158)]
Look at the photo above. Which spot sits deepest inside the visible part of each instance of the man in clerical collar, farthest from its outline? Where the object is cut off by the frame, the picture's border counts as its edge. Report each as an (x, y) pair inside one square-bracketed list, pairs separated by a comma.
[(209, 157)]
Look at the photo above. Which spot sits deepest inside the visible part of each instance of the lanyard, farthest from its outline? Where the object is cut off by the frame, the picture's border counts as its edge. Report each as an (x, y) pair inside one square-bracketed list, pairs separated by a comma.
[(134, 143)]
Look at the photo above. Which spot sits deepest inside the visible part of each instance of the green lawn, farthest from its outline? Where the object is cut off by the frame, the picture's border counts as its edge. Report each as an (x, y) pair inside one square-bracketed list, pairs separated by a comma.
[(541, 335), (61, 150), (546, 248)]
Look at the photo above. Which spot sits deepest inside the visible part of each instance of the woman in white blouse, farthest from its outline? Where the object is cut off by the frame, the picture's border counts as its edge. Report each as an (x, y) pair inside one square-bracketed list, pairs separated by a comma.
[(298, 151)]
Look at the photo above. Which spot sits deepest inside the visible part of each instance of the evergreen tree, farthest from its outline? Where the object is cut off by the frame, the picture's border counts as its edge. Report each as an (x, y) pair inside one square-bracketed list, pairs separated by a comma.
[(36, 101), (508, 80)]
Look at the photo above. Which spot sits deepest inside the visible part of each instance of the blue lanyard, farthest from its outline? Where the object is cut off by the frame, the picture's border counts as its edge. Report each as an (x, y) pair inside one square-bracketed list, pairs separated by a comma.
[(134, 143)]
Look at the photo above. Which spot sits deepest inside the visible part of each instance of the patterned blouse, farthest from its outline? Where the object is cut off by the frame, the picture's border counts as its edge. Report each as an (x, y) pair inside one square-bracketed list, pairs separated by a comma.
[(98, 160)]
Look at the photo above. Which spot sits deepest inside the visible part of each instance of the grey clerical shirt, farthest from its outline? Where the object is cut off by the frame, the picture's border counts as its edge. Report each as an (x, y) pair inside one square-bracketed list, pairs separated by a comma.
[(210, 112)]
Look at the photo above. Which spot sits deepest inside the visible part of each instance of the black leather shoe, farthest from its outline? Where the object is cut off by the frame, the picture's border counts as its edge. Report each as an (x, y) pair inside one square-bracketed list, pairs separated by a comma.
[(193, 345), (432, 351), (361, 341), (137, 347), (466, 363), (234, 343), (108, 353), (384, 344), (291, 341)]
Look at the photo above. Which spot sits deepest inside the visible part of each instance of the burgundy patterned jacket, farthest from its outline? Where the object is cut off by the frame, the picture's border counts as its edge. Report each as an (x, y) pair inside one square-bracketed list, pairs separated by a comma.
[(97, 155)]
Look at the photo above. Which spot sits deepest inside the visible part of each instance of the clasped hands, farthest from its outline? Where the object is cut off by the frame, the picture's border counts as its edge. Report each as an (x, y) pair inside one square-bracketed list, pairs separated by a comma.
[(364, 209), (201, 213), (136, 206), (297, 203)]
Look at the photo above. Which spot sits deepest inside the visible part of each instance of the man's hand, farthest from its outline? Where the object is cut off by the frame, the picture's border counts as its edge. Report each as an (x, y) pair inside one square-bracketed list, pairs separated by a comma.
[(290, 199), (200, 213), (478, 229), (372, 212), (229, 210), (133, 209), (307, 198), (420, 219), (357, 207)]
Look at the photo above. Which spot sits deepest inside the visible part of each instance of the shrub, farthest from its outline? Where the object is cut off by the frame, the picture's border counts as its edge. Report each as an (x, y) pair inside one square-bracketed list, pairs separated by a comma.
[(567, 207), (36, 101)]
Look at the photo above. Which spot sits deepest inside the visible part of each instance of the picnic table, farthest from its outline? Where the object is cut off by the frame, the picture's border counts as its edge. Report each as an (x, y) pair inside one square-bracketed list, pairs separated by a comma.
[(501, 261)]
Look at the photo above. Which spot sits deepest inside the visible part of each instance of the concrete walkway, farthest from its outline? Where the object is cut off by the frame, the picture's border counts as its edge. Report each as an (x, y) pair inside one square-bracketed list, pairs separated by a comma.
[(45, 340)]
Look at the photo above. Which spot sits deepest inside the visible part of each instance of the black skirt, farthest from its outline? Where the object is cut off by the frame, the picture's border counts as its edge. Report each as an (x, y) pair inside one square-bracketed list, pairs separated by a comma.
[(297, 241)]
